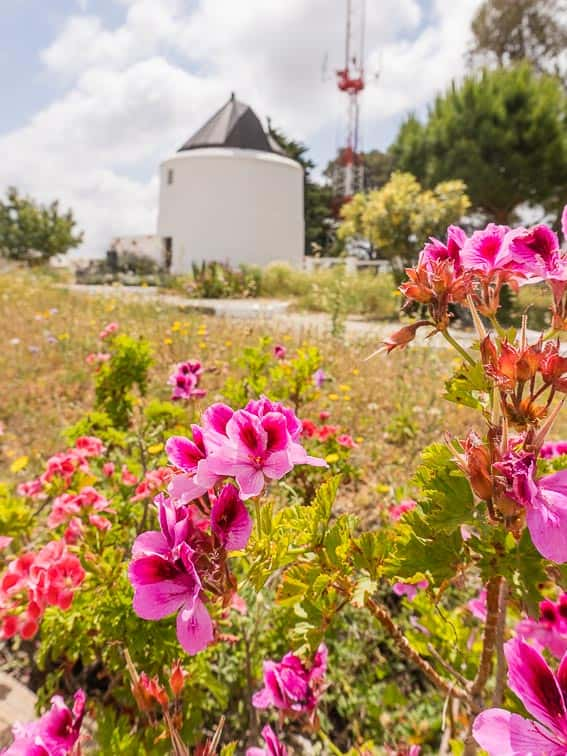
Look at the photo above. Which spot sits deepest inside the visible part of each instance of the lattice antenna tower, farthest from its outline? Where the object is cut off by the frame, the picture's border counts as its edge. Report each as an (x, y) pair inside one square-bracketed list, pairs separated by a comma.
[(348, 177)]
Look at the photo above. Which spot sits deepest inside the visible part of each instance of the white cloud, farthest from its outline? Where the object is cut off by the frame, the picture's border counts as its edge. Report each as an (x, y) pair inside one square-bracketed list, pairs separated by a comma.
[(137, 91)]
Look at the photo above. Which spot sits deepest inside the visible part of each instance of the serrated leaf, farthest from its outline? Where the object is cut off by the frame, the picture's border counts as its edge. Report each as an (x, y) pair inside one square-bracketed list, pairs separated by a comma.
[(468, 386)]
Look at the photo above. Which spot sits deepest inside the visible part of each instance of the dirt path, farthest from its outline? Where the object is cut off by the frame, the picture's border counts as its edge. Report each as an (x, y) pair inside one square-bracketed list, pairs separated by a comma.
[(276, 314)]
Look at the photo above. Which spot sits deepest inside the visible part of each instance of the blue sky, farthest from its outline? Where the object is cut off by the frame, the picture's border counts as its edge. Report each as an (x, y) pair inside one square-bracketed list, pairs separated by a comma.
[(100, 91)]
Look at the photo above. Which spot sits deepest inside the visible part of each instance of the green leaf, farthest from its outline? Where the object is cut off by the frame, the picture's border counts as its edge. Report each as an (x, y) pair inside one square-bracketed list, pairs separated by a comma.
[(468, 386)]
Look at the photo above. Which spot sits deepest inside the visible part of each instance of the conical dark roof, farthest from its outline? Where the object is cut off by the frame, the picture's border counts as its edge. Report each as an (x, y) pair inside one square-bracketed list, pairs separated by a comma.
[(234, 125)]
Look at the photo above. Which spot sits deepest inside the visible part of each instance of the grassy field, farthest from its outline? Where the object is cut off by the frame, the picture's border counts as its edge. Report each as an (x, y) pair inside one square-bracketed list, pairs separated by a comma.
[(391, 405)]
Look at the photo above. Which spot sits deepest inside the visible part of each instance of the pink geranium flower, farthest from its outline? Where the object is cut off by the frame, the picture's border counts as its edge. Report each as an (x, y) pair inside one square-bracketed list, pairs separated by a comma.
[(67, 505), (542, 692), (185, 380), (274, 747), (165, 578), (90, 446), (435, 250), (536, 250), (397, 511), (291, 686), (477, 606), (33, 581), (230, 520), (551, 449), (186, 455), (255, 449), (279, 351), (544, 499), (485, 252), (410, 590), (56, 733), (108, 330), (550, 630), (153, 481)]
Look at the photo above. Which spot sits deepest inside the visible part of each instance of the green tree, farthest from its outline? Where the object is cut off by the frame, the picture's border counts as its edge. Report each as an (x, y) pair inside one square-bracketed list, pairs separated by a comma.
[(317, 197), (509, 31), (32, 232), (503, 132), (398, 218)]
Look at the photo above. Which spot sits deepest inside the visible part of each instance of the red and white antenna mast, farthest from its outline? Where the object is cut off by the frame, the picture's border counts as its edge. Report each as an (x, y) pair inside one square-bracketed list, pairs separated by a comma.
[(349, 176)]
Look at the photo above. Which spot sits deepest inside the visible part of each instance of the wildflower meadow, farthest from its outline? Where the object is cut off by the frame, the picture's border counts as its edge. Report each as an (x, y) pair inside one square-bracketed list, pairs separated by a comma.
[(230, 538)]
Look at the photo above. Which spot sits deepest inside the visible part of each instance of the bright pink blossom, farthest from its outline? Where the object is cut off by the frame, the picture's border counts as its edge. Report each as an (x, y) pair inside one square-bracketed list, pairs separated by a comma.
[(153, 481), (291, 686), (410, 590), (33, 581), (185, 454), (564, 223), (254, 449), (345, 440), (56, 733), (90, 446), (230, 520), (274, 747), (552, 449), (477, 606), (542, 692), (536, 251), (127, 477), (258, 442), (397, 511), (108, 469), (165, 578), (279, 351), (485, 252), (94, 358), (108, 330), (87, 501), (185, 380), (550, 630), (435, 250), (545, 502), (32, 489)]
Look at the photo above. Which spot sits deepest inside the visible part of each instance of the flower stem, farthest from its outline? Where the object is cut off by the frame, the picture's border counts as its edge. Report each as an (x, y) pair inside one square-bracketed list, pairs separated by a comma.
[(384, 617), (501, 666), (489, 638), (455, 344)]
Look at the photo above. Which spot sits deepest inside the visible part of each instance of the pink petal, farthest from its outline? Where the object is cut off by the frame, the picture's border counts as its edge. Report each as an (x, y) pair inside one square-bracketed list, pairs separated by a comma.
[(547, 522), (183, 453), (216, 417), (230, 520), (275, 425), (562, 675), (564, 223), (262, 699), (501, 733), (277, 465), (184, 488), (150, 542), (250, 480), (246, 433), (531, 679), (194, 628), (158, 600), (299, 456)]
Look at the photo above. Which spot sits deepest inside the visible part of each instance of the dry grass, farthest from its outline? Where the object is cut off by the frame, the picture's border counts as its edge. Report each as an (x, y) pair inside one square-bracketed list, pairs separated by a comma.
[(394, 404)]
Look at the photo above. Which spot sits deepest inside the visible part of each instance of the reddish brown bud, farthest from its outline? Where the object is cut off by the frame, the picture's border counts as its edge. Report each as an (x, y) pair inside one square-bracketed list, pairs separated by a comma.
[(478, 467), (177, 678)]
